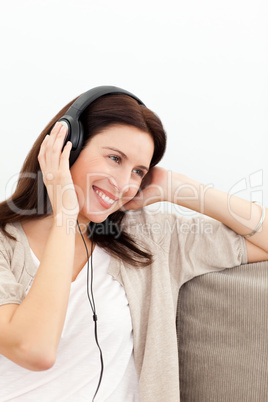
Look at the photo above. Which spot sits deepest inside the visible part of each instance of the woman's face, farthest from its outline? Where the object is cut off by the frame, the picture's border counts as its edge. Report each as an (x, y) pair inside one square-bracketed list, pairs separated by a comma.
[(109, 170)]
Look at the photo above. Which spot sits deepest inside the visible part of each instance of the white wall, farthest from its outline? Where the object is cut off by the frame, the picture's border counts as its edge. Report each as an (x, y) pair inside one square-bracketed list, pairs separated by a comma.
[(200, 65)]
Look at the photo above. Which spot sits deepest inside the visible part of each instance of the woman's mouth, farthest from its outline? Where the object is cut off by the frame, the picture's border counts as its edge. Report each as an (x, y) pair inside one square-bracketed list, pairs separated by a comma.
[(103, 198)]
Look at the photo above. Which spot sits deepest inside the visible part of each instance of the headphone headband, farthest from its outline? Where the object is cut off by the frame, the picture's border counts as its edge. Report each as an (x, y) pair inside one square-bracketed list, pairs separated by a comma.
[(90, 96), (71, 117)]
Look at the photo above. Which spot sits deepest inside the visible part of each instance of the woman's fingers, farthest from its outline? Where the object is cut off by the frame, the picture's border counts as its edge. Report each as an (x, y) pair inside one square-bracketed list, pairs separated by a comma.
[(54, 162), (51, 151), (42, 153), (55, 130), (65, 156), (53, 135), (54, 147)]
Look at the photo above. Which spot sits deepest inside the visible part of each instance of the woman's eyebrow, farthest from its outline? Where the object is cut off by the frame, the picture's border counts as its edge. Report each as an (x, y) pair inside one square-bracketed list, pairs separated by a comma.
[(124, 156), (117, 150)]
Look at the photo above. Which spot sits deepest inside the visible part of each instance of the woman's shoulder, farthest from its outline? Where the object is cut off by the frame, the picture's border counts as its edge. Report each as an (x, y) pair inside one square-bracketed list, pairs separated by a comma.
[(16, 261), (16, 265), (164, 226), (15, 230), (151, 219), (150, 225), (12, 239), (145, 218)]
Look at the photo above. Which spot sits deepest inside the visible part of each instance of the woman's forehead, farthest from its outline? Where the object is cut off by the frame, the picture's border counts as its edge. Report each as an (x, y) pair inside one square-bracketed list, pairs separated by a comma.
[(129, 140)]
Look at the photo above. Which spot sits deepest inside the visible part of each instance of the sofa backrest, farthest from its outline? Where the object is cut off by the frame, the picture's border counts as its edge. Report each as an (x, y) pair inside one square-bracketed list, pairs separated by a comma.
[(222, 325)]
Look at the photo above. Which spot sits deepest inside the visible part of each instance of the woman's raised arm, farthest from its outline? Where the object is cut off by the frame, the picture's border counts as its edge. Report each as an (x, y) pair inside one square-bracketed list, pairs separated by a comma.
[(242, 216), (30, 332)]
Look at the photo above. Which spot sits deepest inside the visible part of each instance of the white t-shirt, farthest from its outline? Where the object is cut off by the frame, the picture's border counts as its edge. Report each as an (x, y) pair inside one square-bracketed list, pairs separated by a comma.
[(75, 375)]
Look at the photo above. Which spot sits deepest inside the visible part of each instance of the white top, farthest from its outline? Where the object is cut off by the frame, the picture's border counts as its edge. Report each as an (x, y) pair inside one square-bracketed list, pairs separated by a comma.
[(75, 375)]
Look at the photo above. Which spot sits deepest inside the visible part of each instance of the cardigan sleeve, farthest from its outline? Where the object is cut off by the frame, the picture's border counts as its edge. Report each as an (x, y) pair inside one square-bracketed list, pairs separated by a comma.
[(199, 245), (193, 245)]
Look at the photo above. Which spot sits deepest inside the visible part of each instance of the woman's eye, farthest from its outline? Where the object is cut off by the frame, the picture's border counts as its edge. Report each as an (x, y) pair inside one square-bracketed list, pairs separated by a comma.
[(139, 172), (115, 158)]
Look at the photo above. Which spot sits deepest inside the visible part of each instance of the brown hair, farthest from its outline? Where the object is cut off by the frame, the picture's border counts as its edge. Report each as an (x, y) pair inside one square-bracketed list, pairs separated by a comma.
[(30, 199)]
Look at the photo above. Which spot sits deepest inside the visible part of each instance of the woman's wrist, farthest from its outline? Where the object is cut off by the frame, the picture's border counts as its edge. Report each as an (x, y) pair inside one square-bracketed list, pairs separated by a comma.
[(65, 221)]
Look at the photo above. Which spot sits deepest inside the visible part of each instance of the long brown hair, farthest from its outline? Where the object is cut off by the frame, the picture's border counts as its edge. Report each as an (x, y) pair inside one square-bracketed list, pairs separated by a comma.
[(30, 199)]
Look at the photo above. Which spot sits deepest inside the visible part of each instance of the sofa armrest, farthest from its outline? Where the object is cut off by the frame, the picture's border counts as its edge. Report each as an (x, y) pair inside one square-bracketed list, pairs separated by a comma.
[(222, 326)]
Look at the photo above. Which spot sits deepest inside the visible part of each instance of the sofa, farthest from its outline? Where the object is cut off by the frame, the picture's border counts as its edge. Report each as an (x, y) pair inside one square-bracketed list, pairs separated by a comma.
[(222, 326)]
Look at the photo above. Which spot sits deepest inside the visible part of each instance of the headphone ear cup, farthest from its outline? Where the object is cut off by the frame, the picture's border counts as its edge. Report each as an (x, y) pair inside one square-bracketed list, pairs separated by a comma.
[(79, 140), (75, 134)]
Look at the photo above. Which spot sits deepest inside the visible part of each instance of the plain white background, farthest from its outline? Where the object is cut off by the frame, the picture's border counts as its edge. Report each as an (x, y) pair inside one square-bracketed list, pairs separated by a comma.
[(200, 65)]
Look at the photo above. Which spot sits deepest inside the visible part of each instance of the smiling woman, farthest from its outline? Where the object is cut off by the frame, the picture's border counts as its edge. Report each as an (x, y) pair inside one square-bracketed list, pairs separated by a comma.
[(126, 120), (52, 205), (74, 196)]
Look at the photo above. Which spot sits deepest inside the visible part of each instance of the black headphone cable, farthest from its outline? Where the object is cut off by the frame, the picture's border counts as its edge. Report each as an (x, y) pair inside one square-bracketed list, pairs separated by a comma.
[(92, 303)]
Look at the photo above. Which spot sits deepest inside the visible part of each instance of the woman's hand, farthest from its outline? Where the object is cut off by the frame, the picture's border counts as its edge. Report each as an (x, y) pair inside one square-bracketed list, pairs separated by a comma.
[(57, 178), (154, 188)]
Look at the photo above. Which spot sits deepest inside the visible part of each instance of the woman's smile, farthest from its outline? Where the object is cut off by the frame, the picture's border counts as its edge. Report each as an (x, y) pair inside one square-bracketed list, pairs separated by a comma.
[(105, 198)]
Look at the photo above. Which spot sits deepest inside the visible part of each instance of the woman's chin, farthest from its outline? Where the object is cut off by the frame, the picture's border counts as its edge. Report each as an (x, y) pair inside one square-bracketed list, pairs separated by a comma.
[(99, 217)]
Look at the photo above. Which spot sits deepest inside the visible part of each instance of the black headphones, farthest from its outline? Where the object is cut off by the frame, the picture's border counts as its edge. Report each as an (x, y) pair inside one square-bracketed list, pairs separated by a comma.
[(71, 118)]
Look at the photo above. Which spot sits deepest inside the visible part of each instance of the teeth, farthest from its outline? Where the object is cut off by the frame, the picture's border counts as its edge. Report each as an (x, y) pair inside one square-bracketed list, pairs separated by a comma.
[(105, 197)]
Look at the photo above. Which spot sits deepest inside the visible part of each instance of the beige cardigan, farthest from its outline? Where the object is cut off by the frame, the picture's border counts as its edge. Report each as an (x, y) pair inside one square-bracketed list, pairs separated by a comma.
[(182, 248)]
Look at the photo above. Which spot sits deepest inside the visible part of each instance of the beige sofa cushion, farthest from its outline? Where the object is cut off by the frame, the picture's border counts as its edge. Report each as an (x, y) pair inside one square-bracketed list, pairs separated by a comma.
[(223, 336)]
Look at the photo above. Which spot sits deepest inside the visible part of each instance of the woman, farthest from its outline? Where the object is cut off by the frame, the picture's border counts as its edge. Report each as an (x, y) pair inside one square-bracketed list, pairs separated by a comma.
[(51, 348)]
